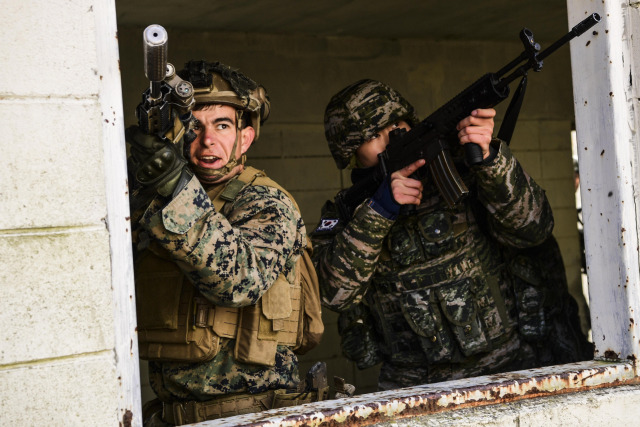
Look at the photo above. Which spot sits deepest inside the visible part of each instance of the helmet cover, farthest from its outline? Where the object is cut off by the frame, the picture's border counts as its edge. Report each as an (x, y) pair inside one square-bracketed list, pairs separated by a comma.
[(216, 83), (356, 113)]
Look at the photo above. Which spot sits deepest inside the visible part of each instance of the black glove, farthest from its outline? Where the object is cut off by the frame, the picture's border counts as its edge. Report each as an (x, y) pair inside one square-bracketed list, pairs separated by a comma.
[(155, 166)]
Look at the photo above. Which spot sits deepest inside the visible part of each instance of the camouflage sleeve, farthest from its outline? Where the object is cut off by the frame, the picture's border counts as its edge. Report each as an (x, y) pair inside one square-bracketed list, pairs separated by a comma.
[(518, 211), (231, 260), (345, 256)]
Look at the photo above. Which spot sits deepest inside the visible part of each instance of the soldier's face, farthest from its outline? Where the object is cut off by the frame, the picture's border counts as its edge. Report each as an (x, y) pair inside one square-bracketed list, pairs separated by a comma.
[(216, 135), (367, 153)]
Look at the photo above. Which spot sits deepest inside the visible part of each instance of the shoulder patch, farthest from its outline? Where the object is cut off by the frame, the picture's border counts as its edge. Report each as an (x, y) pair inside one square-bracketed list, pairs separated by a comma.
[(327, 224)]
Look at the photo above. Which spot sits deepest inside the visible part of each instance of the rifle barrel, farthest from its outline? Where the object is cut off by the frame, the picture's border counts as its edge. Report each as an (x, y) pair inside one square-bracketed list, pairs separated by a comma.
[(576, 31)]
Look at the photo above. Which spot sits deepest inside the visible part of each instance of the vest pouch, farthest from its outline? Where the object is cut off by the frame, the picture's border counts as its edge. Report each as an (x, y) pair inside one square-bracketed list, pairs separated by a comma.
[(459, 307), (358, 338), (260, 325), (158, 287), (530, 298), (398, 344), (403, 244), (421, 311), (282, 306), (436, 233), (310, 325), (172, 323)]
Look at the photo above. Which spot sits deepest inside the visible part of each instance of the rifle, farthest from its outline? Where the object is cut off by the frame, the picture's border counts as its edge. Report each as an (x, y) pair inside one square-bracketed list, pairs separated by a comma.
[(431, 139), (165, 110), (166, 105)]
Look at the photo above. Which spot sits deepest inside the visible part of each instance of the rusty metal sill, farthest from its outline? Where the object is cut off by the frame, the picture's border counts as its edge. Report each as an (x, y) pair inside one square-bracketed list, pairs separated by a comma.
[(427, 399)]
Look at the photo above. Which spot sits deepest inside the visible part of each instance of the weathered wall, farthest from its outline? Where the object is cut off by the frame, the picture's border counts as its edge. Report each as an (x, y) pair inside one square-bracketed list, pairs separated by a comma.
[(303, 72), (58, 360)]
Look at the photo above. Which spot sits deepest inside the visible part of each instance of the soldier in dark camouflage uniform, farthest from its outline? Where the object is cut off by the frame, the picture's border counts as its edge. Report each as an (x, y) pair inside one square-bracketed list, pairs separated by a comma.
[(429, 294), (231, 257)]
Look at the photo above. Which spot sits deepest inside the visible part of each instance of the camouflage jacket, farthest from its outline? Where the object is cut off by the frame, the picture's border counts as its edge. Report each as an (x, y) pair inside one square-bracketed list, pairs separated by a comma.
[(232, 258), (434, 281)]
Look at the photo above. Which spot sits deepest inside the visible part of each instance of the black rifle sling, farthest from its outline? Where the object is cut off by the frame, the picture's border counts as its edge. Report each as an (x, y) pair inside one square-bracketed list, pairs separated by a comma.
[(511, 115)]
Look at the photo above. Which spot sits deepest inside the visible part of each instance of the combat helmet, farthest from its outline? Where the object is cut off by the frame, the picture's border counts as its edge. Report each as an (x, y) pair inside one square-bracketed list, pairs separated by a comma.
[(356, 113), (216, 83)]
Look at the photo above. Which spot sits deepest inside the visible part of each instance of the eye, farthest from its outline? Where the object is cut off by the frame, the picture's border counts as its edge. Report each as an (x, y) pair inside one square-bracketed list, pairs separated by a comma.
[(197, 125), (222, 126)]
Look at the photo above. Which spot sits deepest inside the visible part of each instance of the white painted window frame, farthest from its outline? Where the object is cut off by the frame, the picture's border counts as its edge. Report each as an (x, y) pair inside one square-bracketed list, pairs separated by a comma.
[(118, 221), (606, 124), (604, 64)]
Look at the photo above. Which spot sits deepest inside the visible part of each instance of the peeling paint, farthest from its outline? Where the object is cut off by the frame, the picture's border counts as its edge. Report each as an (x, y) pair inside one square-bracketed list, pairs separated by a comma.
[(127, 418), (433, 398)]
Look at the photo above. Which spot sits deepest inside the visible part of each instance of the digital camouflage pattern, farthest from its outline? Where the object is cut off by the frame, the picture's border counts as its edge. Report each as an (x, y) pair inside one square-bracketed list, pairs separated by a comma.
[(232, 258), (547, 313), (436, 285), (221, 376), (355, 114)]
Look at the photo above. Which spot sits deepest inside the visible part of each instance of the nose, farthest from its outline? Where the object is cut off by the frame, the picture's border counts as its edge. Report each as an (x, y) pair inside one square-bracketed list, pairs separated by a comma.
[(207, 138), (384, 135)]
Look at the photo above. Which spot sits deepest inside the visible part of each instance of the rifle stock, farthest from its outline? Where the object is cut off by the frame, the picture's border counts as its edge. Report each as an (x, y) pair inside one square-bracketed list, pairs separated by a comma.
[(432, 138)]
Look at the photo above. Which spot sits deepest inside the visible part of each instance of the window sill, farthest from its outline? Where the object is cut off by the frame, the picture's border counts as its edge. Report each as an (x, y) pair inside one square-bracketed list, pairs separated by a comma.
[(447, 396)]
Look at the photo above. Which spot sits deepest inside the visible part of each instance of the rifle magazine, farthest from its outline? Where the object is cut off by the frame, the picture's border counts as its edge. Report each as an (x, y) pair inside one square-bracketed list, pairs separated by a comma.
[(447, 179)]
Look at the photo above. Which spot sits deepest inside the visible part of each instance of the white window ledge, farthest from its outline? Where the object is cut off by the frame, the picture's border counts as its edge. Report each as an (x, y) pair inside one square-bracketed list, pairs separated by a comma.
[(428, 399)]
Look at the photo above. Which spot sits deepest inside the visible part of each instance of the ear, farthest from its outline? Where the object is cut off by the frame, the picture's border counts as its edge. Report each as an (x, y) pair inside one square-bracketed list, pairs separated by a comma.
[(247, 136)]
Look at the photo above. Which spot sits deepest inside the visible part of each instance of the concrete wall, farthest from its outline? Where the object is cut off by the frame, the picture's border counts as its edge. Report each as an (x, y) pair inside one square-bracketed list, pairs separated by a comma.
[(59, 361), (301, 73)]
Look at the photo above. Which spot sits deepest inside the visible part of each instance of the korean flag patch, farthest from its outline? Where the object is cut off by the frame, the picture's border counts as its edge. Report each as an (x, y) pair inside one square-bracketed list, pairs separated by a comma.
[(327, 224)]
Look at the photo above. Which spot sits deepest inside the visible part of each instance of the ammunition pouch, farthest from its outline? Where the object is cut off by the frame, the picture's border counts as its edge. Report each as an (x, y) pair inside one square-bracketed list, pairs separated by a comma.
[(177, 324), (531, 298), (448, 321), (358, 339), (272, 322), (173, 323), (424, 237)]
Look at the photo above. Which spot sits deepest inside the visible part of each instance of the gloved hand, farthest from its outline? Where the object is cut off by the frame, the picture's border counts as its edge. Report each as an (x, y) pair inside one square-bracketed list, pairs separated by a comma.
[(153, 163), (383, 202)]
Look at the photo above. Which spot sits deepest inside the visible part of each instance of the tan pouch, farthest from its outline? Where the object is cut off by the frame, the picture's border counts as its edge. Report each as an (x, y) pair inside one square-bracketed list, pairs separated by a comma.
[(172, 322), (250, 349), (262, 326)]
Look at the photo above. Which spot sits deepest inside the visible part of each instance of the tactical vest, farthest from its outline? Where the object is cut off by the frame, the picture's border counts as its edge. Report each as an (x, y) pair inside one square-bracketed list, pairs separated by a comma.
[(176, 323), (431, 300), (418, 316)]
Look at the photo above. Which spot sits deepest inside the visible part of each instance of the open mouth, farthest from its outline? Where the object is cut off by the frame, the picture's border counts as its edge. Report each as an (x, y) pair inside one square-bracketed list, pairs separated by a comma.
[(208, 161)]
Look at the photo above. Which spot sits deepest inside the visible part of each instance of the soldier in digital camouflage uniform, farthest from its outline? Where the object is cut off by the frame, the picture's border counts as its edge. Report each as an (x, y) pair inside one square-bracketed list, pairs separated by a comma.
[(231, 257), (429, 294)]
